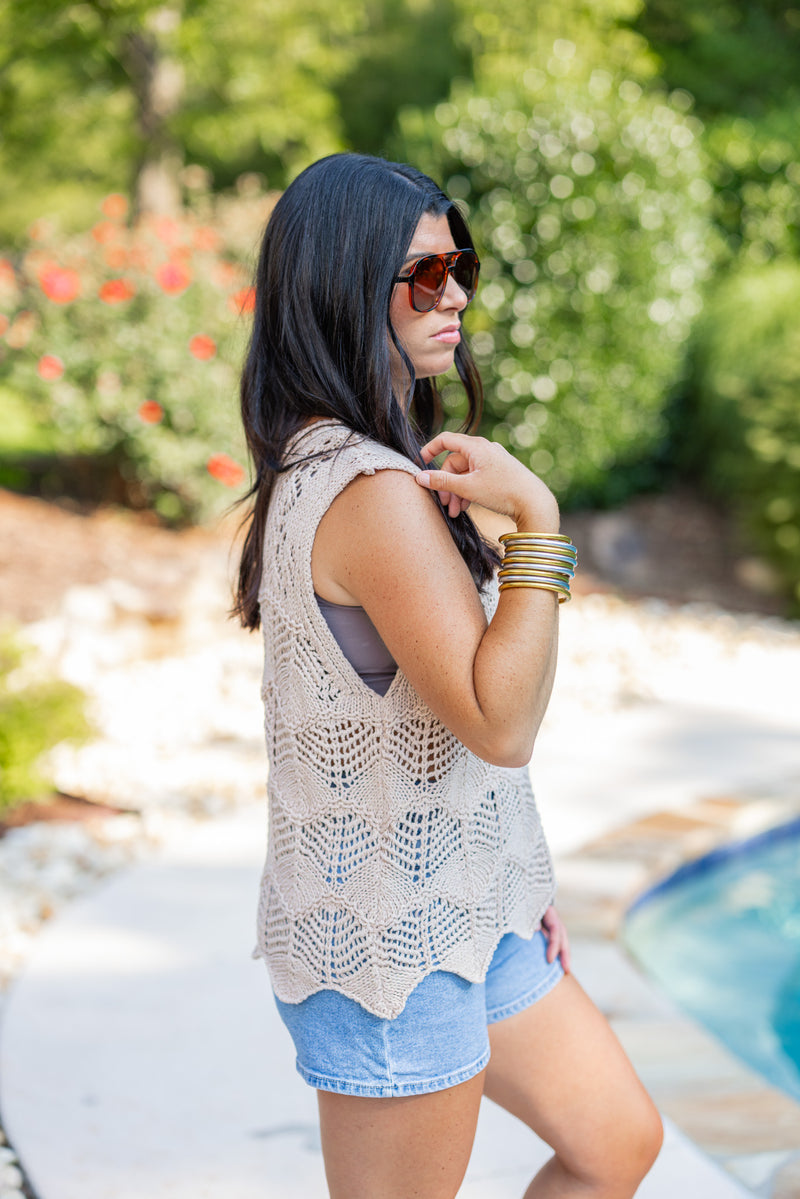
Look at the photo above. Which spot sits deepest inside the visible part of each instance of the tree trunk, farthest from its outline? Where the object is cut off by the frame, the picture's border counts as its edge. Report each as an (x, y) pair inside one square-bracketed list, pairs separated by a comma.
[(158, 84)]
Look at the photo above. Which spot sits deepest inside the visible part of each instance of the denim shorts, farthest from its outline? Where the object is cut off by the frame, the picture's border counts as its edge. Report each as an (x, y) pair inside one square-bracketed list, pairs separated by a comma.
[(439, 1039)]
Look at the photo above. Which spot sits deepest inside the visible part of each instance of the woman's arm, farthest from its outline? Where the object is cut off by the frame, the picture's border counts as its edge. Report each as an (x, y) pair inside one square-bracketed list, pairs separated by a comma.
[(384, 545)]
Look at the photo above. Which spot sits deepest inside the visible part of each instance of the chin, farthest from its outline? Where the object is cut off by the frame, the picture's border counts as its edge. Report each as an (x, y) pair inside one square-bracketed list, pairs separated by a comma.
[(439, 364)]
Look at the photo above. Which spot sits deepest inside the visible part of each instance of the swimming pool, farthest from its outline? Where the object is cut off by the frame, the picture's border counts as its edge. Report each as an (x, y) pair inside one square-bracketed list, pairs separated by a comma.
[(722, 937)]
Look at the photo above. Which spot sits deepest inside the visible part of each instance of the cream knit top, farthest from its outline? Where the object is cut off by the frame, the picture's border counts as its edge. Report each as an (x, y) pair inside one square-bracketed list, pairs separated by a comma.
[(393, 850)]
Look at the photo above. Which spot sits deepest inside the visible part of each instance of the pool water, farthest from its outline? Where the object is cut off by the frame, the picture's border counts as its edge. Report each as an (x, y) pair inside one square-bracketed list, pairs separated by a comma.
[(722, 938)]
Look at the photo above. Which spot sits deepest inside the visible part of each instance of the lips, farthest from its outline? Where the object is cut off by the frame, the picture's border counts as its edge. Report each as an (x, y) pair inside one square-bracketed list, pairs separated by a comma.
[(449, 336)]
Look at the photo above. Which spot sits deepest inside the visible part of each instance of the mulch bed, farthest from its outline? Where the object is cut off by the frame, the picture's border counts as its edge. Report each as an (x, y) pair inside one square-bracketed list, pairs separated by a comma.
[(57, 807)]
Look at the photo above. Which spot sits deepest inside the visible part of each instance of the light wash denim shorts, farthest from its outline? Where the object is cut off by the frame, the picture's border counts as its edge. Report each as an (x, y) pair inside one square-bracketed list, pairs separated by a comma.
[(439, 1039)]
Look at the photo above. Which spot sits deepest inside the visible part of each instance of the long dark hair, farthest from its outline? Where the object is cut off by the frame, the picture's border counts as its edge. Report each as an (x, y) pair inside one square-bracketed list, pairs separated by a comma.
[(334, 243)]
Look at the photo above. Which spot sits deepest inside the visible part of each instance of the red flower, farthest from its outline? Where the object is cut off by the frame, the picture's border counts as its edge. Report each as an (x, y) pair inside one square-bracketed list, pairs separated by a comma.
[(115, 291), (173, 278), (104, 232), (116, 257), (114, 206), (140, 257), (202, 346), (3, 323), (50, 367), (7, 275), (60, 285), (206, 238), (150, 412), (243, 302), (166, 229), (225, 470)]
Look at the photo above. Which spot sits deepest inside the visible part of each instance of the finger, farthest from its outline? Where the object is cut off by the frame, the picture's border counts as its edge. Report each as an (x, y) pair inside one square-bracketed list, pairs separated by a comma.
[(440, 480), (566, 954), (550, 931), (455, 463), (559, 941), (447, 440)]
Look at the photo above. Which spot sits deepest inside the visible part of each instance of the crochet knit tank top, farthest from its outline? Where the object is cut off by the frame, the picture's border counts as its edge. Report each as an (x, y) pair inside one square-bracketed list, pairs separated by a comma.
[(393, 850)]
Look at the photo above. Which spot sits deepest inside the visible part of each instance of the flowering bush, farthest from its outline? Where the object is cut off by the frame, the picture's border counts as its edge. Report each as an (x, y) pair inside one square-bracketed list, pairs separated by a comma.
[(128, 340), (589, 206)]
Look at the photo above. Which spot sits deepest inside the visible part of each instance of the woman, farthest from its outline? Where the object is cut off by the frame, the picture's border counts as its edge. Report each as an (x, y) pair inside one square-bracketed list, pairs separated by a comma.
[(406, 906)]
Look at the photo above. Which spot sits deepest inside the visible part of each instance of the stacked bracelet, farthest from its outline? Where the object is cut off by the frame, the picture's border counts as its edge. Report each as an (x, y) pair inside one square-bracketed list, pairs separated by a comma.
[(545, 561)]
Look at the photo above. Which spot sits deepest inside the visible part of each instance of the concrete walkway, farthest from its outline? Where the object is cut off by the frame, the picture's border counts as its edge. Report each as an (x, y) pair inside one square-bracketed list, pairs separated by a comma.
[(143, 1056)]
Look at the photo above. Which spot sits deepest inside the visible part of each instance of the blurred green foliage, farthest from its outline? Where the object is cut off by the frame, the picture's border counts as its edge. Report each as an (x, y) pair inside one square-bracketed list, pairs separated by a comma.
[(35, 715), (744, 433), (408, 52), (739, 59), (90, 91), (734, 56), (619, 160), (588, 199)]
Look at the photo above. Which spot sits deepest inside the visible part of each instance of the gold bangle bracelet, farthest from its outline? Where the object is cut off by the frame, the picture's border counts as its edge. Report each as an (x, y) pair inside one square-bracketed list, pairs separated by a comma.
[(553, 555), (563, 596), (547, 568), (506, 537), (532, 560), (539, 561), (531, 577), (534, 547), (540, 547), (523, 576), (515, 578), (531, 547)]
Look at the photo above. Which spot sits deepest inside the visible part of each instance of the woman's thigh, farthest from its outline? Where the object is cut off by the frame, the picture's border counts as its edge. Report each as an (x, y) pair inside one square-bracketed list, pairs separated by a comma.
[(417, 1145), (559, 1067)]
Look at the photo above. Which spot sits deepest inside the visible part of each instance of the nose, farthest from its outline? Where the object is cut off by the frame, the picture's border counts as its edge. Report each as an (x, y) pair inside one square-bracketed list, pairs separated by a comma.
[(453, 296)]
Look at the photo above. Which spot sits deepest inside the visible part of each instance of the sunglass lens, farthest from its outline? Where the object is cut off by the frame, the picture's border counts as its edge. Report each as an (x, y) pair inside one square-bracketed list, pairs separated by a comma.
[(465, 273), (429, 276)]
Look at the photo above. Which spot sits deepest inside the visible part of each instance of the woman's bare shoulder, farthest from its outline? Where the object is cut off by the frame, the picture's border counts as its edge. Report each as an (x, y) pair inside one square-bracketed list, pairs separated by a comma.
[(388, 508), (380, 525)]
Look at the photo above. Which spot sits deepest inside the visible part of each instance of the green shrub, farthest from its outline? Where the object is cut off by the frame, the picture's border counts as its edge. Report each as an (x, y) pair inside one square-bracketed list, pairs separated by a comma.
[(744, 430), (756, 175), (589, 205), (34, 716), (127, 342)]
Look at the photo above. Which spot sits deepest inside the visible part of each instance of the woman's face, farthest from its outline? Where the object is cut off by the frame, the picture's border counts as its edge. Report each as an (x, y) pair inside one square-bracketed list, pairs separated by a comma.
[(429, 338)]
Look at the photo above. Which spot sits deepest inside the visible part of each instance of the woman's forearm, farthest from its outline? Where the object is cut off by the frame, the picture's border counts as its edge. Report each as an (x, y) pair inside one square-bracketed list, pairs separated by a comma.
[(514, 664), (513, 675)]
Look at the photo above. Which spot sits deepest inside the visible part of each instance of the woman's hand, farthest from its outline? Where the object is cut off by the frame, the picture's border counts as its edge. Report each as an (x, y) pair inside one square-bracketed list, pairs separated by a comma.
[(557, 940), (481, 471)]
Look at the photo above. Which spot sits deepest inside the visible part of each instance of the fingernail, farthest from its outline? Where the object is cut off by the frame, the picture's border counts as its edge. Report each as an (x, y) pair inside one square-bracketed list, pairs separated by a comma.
[(424, 478)]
